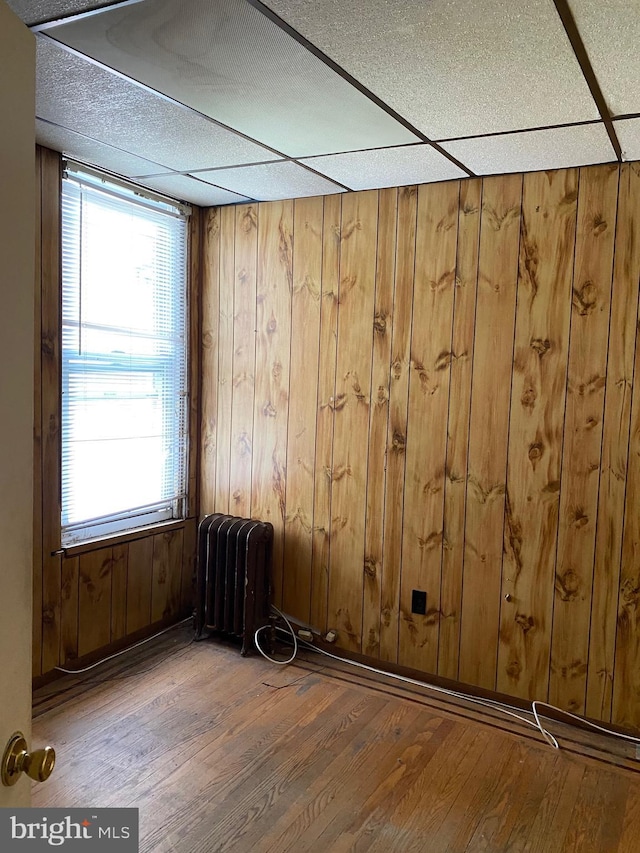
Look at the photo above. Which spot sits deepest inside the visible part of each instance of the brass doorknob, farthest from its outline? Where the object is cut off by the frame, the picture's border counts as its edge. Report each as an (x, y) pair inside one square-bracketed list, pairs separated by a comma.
[(38, 765)]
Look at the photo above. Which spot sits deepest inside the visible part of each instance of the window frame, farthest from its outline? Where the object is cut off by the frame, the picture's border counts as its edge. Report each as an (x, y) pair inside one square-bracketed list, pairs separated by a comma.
[(118, 526)]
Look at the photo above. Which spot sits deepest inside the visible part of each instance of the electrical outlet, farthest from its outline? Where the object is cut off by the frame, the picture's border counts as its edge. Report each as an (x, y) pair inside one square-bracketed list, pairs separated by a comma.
[(419, 602)]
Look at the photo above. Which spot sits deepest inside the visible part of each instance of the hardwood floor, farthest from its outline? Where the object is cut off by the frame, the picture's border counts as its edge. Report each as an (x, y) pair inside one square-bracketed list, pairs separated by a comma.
[(223, 753)]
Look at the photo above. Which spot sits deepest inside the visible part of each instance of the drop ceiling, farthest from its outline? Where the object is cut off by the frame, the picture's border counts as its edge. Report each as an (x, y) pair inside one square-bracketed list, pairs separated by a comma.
[(221, 101)]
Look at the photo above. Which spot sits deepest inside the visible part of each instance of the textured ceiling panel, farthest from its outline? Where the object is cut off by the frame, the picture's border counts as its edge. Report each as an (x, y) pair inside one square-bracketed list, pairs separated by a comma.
[(185, 188), (95, 153), (556, 148), (272, 181), (453, 67), (79, 95), (611, 34), (387, 167), (629, 135), (37, 11), (230, 62)]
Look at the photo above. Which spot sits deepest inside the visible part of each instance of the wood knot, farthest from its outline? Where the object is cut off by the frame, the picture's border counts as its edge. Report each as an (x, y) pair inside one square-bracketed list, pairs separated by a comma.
[(528, 398), (272, 325), (370, 567), (535, 451), (599, 224), (567, 585), (382, 395), (443, 360), (399, 442), (514, 669), (526, 623), (540, 346), (580, 518), (396, 369), (380, 323), (268, 410), (585, 299)]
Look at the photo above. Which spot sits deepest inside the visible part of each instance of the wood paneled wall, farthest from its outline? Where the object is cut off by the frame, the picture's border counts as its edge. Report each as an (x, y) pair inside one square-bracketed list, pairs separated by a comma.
[(432, 388), (94, 596)]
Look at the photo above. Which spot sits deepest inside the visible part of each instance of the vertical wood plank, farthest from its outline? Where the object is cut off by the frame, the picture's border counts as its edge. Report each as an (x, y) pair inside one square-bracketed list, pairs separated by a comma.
[(324, 411), (194, 356), (50, 377), (626, 675), (94, 600), (433, 293), (119, 591), (301, 433), (535, 435), (210, 315), (189, 554), (244, 346), (37, 431), (69, 594), (225, 358), (597, 201), (397, 421), (458, 431), (615, 444), (167, 574), (378, 420), (351, 405), (275, 273), (139, 580), (489, 427)]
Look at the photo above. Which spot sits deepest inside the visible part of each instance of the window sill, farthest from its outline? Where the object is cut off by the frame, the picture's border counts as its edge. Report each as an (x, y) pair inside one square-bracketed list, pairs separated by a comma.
[(121, 538)]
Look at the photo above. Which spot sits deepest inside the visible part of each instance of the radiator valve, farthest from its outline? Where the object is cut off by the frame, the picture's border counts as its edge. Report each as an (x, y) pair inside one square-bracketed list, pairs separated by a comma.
[(331, 636)]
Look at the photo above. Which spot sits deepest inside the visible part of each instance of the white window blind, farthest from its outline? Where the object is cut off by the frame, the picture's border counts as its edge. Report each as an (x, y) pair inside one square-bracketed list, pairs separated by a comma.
[(124, 349)]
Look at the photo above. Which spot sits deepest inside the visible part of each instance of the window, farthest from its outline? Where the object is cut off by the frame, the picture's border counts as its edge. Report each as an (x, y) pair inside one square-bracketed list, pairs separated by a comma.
[(124, 348)]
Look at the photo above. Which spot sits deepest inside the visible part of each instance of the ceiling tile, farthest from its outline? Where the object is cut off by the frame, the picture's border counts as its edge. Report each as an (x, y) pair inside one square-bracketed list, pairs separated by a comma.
[(186, 188), (37, 11), (92, 152), (453, 67), (387, 167), (228, 61), (77, 94), (533, 150), (272, 181), (628, 132), (611, 34)]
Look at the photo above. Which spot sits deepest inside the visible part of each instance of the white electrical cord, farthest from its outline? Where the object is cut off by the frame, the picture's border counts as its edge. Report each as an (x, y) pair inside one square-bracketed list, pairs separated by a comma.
[(293, 634), (488, 703), (122, 652)]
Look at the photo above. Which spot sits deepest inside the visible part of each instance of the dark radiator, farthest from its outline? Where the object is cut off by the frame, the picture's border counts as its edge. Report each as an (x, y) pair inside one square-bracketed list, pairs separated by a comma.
[(233, 576)]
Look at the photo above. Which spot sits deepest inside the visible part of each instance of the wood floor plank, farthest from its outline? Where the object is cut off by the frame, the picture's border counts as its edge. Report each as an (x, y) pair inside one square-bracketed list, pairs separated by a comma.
[(224, 753)]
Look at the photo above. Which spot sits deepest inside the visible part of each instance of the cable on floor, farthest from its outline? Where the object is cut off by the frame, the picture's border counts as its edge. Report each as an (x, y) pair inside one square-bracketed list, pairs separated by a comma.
[(500, 707)]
